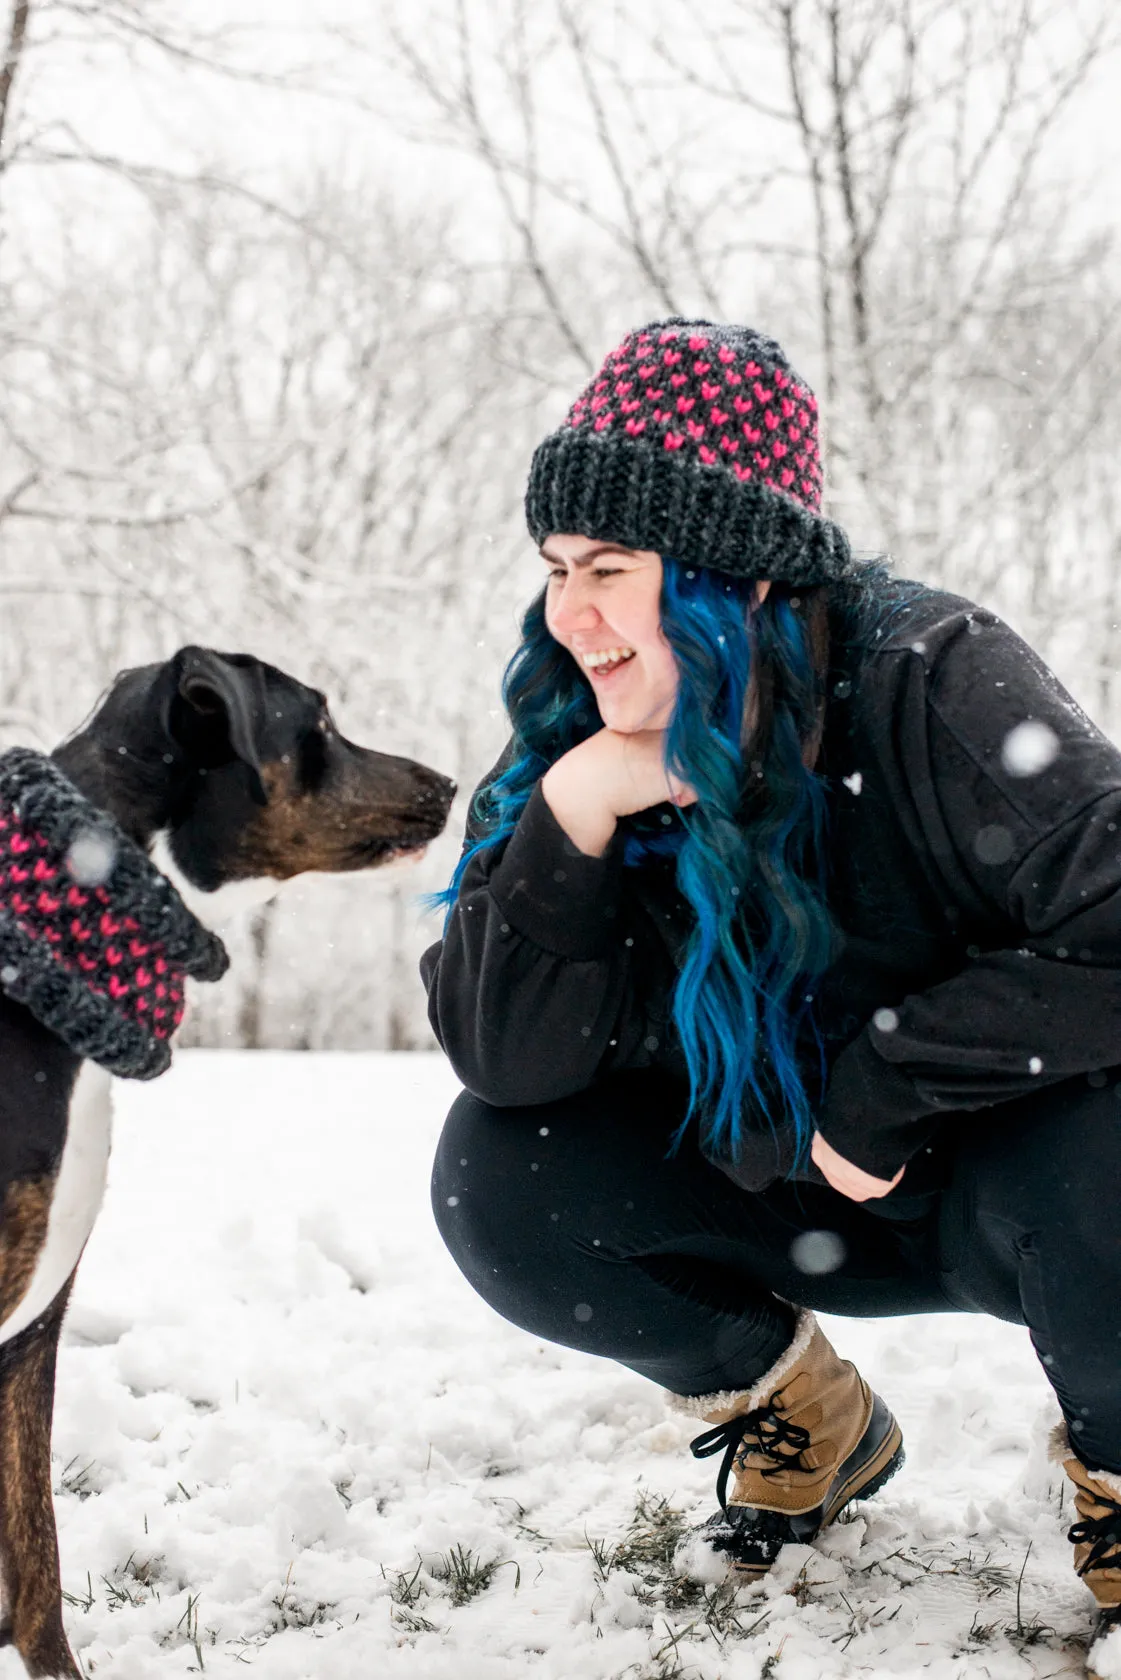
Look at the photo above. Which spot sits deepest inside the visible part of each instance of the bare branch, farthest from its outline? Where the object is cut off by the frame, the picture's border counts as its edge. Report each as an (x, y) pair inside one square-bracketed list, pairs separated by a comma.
[(13, 53)]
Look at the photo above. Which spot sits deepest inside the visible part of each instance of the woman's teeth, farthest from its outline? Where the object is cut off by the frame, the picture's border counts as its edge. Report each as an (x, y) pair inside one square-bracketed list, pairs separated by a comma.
[(605, 659)]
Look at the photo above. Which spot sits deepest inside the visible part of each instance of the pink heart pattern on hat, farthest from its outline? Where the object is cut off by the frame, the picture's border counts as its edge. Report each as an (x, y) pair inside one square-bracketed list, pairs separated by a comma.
[(689, 393)]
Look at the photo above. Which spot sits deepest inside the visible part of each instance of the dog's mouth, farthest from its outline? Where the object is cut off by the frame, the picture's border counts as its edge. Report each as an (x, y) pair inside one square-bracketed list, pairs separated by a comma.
[(375, 853)]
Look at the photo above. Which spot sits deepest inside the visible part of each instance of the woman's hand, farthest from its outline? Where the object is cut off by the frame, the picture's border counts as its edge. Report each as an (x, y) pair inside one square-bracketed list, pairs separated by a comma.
[(851, 1181), (606, 777)]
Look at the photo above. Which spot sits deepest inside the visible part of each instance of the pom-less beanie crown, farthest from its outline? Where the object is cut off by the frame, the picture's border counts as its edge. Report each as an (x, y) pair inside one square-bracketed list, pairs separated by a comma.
[(698, 440)]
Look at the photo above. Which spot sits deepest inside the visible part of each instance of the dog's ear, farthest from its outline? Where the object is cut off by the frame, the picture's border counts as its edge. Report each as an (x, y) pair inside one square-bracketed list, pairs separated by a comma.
[(214, 710)]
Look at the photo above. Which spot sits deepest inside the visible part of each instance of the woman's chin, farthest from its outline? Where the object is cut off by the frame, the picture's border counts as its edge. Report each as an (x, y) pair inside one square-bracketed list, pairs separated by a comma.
[(631, 717)]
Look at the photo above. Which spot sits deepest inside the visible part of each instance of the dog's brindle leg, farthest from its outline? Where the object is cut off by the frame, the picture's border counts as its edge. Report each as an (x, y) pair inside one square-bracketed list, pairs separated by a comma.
[(28, 1540)]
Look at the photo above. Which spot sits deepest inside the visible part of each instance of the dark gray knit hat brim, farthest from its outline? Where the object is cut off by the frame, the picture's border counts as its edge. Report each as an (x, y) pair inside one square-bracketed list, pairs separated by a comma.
[(641, 495)]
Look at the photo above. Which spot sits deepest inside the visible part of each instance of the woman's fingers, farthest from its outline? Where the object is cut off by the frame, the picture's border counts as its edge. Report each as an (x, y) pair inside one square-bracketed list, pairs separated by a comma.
[(850, 1180)]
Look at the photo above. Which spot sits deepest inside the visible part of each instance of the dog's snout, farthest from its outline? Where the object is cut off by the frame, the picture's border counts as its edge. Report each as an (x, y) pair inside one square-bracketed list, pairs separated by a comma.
[(437, 790)]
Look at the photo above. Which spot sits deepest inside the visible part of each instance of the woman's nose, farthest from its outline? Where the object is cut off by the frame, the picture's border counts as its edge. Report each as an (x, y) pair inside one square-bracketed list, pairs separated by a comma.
[(572, 606)]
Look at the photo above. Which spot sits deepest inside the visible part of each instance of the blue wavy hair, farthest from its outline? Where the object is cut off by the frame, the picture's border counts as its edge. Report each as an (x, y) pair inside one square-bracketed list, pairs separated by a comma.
[(749, 854)]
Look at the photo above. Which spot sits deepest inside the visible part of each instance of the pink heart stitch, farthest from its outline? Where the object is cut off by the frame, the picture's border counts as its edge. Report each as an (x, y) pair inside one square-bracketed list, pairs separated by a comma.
[(603, 422), (787, 478), (636, 427), (741, 472), (671, 357), (117, 988), (673, 440), (677, 380), (697, 343), (695, 429), (719, 417), (701, 367), (708, 456), (685, 404), (725, 354), (710, 392), (731, 444)]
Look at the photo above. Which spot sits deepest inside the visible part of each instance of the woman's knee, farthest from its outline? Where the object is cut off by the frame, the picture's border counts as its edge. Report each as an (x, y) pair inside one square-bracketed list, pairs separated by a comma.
[(510, 1182), (487, 1193)]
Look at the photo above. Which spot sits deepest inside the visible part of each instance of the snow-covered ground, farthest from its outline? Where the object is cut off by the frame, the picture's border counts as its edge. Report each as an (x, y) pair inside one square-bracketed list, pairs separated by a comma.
[(290, 1439)]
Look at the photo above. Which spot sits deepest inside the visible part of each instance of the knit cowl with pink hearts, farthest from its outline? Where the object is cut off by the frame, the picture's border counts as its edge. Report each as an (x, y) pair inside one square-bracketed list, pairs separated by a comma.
[(698, 440), (94, 941)]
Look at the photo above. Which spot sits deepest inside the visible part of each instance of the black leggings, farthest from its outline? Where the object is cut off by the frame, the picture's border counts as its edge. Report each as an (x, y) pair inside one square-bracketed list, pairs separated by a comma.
[(571, 1222)]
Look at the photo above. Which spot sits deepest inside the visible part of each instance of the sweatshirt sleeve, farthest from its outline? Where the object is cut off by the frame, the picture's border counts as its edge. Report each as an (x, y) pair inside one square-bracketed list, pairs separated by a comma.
[(1032, 857), (530, 990)]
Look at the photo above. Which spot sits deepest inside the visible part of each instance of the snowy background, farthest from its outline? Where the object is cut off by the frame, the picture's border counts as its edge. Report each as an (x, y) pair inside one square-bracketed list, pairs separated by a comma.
[(289, 290), (289, 1439)]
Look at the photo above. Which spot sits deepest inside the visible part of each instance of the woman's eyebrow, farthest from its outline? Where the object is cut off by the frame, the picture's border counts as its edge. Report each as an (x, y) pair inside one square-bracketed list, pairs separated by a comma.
[(585, 559)]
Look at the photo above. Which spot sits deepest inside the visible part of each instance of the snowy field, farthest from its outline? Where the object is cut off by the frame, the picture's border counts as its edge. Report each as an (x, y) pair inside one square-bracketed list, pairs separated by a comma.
[(290, 1440)]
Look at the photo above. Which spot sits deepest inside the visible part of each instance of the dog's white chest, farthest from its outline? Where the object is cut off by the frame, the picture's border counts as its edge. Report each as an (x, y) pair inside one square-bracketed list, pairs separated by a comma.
[(78, 1193)]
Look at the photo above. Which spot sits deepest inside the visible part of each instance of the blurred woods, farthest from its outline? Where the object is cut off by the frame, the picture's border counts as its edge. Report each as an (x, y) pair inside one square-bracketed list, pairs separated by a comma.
[(286, 403)]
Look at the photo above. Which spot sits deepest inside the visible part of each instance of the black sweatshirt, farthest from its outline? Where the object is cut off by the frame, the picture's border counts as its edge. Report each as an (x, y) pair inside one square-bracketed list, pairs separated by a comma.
[(978, 909)]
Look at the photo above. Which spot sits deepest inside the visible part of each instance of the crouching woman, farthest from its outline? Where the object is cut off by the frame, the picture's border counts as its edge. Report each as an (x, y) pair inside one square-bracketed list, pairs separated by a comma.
[(782, 966)]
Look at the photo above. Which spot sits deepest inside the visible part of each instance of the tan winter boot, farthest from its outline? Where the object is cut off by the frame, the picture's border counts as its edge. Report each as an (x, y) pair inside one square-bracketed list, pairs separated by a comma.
[(1097, 1551), (809, 1437)]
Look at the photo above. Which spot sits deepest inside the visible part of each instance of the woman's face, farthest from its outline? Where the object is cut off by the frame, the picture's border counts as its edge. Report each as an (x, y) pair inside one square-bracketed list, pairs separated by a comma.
[(602, 603)]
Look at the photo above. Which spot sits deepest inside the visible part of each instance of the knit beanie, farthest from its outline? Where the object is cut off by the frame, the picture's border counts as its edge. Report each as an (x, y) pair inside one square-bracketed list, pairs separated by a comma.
[(696, 439)]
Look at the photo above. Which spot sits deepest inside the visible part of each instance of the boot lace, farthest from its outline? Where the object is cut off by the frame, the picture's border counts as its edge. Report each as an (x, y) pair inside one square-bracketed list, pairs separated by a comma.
[(1102, 1534), (764, 1430)]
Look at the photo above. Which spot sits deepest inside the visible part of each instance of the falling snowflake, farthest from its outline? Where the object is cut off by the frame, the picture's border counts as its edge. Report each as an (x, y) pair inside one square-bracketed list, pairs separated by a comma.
[(1029, 748), (818, 1252), (855, 782), (91, 857), (993, 844)]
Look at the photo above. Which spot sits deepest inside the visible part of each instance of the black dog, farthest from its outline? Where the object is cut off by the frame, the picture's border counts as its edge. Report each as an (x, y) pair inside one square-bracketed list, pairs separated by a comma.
[(232, 777)]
